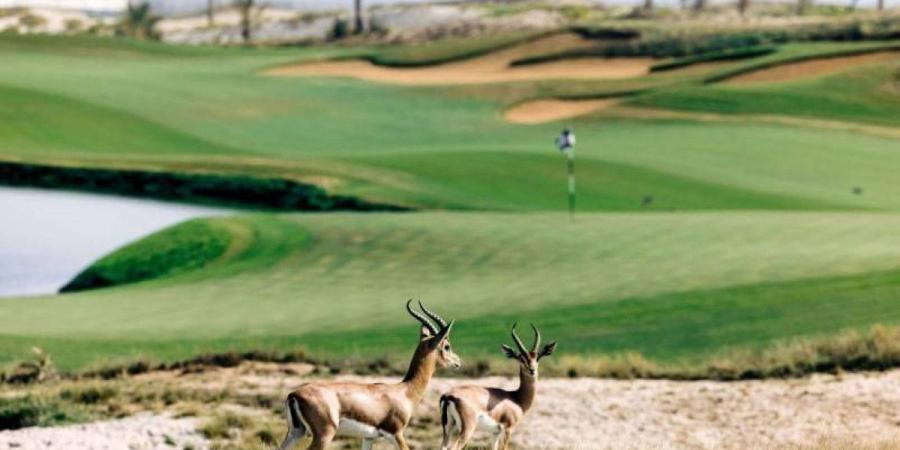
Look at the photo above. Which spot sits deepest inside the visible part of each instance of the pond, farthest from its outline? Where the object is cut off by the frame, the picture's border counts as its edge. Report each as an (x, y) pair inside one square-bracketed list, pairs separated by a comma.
[(47, 237)]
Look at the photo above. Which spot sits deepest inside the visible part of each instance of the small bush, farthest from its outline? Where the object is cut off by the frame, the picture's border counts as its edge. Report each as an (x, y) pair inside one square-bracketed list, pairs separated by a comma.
[(225, 426), (30, 411), (340, 29), (90, 395), (74, 26), (32, 21), (38, 369)]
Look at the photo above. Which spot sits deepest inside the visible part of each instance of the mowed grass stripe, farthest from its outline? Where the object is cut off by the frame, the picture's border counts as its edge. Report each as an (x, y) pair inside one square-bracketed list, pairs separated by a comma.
[(305, 275), (689, 326)]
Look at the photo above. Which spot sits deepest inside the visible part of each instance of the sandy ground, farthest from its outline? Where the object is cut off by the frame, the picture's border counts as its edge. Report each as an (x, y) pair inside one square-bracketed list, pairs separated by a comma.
[(812, 68), (490, 68), (542, 111), (140, 432), (859, 410)]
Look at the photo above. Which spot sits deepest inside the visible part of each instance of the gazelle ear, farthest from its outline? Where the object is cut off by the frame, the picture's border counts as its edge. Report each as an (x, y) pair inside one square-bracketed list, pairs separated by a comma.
[(509, 352), (547, 350), (425, 333)]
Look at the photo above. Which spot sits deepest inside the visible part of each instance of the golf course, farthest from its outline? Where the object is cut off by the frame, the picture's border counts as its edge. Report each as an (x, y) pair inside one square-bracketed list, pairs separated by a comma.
[(726, 202)]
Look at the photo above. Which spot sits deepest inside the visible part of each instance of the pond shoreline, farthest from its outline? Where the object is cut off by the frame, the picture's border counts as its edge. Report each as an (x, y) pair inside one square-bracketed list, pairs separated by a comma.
[(57, 234), (207, 189)]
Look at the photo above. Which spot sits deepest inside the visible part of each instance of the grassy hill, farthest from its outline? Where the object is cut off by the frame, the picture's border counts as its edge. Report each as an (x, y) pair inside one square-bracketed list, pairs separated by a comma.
[(670, 286), (753, 232)]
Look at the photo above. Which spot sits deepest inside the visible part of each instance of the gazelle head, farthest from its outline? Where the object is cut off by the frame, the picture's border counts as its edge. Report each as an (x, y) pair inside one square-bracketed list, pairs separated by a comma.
[(528, 359), (435, 336)]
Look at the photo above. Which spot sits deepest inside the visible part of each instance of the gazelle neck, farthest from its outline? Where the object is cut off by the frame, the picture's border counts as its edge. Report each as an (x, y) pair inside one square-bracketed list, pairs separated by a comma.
[(421, 369), (527, 389)]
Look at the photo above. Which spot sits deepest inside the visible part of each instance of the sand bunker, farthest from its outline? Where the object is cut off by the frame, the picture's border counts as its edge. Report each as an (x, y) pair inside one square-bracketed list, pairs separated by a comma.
[(542, 111), (813, 68), (491, 68)]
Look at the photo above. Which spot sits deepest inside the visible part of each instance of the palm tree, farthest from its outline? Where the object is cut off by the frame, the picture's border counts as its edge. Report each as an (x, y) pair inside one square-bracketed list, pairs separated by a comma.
[(245, 7), (210, 13), (138, 21), (357, 16)]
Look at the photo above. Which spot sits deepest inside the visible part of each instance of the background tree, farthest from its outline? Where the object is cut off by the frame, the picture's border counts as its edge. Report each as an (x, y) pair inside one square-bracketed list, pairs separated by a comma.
[(210, 13), (138, 22), (803, 5), (743, 6), (699, 5), (880, 5), (648, 6), (357, 16), (245, 8)]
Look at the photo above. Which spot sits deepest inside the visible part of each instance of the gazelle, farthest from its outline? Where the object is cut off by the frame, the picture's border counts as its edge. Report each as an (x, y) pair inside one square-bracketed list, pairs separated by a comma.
[(324, 410), (466, 409)]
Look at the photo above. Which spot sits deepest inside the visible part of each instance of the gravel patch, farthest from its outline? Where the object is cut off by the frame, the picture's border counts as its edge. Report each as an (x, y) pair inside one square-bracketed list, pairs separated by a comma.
[(140, 432)]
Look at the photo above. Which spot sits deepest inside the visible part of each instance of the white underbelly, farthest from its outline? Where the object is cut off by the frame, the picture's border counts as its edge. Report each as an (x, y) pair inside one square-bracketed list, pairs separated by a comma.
[(353, 428), (486, 423)]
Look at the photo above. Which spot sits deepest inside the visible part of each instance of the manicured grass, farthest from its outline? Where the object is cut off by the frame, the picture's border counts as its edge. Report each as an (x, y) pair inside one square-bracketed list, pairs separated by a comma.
[(213, 113), (668, 285), (752, 231), (862, 94), (183, 248)]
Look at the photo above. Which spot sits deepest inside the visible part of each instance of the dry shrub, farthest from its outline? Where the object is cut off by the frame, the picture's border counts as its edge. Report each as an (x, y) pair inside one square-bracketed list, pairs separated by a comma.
[(877, 349)]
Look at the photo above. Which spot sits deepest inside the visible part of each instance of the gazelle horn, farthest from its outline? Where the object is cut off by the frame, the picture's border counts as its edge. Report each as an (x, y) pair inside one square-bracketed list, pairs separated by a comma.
[(537, 339), (433, 316), (418, 316), (517, 340)]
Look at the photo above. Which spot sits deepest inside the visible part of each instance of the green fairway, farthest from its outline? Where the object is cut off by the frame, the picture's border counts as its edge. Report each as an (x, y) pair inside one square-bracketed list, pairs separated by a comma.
[(694, 237), (609, 282)]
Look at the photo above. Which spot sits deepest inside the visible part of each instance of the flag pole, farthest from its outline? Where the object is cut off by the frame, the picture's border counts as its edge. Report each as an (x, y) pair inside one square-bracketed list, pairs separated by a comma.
[(571, 164), (566, 144)]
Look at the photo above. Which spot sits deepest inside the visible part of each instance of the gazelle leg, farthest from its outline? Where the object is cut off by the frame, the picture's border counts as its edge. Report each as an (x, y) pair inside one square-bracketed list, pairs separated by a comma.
[(367, 444), (507, 434), (400, 440), (445, 442), (321, 440), (498, 438), (290, 439), (465, 435)]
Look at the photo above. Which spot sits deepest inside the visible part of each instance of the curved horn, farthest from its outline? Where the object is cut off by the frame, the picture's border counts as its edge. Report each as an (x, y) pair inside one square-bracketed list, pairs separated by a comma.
[(433, 316), (420, 318), (445, 331), (517, 340), (537, 339)]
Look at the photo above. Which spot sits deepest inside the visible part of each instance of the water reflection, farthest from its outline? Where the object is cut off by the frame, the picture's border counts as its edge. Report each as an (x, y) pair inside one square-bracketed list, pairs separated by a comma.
[(47, 237)]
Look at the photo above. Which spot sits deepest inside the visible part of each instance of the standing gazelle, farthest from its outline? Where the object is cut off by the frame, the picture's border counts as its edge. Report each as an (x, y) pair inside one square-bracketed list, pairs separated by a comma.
[(324, 410), (466, 409)]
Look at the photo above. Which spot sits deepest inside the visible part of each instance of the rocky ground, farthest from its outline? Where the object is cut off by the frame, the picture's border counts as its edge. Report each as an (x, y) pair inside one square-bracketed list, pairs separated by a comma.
[(140, 432), (860, 410)]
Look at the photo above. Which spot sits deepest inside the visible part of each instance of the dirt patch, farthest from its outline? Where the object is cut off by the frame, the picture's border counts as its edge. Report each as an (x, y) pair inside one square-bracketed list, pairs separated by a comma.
[(143, 431), (542, 111), (813, 68), (848, 411), (491, 68)]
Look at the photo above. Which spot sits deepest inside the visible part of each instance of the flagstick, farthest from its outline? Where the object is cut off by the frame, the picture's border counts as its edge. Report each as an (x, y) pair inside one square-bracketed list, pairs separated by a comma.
[(571, 158)]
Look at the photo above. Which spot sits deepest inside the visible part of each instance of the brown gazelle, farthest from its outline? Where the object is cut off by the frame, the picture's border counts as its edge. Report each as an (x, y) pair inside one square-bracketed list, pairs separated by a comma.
[(466, 409), (324, 410)]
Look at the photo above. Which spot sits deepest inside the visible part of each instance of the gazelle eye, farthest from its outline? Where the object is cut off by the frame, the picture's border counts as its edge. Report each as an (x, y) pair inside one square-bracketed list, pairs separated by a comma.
[(447, 347)]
